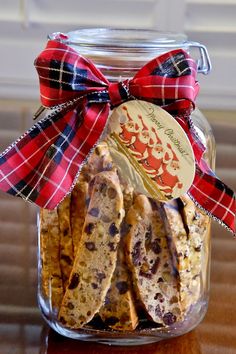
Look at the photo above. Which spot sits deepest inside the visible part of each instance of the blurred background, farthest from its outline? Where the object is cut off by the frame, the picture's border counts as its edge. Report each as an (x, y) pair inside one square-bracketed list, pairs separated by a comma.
[(24, 25)]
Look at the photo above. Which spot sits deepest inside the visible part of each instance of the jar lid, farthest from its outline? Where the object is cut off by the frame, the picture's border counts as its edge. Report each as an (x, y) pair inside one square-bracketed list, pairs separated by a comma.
[(127, 50)]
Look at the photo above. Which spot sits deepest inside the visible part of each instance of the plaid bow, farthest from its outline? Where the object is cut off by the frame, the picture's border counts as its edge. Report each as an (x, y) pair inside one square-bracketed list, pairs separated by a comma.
[(42, 166)]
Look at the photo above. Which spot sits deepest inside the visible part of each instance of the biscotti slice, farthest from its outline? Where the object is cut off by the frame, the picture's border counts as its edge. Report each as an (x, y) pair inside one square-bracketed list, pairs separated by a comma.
[(119, 310), (180, 249), (51, 280), (197, 225), (100, 160), (78, 209), (66, 243), (96, 256), (150, 262)]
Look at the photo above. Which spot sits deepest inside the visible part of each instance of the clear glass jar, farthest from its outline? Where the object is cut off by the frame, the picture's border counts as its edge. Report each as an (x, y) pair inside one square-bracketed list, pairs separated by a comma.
[(124, 292)]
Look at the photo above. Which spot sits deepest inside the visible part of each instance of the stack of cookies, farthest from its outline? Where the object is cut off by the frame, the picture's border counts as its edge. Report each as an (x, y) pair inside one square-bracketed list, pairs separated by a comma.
[(112, 257)]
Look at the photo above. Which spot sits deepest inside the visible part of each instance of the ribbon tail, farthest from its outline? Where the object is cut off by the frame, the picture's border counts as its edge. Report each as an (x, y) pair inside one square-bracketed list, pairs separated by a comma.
[(212, 196), (42, 165), (20, 163)]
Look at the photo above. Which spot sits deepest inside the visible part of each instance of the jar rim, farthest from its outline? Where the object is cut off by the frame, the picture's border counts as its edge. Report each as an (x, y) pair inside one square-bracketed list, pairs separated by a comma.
[(122, 38)]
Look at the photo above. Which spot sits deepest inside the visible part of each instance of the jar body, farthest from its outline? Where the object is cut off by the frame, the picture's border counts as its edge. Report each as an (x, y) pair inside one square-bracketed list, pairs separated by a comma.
[(119, 267)]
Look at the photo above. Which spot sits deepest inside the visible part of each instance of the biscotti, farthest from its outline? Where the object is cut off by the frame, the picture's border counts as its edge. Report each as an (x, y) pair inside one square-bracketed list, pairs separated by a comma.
[(96, 256), (51, 278), (78, 210), (180, 249), (197, 225), (150, 262), (66, 243)]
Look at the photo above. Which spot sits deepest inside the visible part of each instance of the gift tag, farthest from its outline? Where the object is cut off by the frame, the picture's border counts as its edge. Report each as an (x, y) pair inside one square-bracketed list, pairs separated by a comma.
[(151, 150)]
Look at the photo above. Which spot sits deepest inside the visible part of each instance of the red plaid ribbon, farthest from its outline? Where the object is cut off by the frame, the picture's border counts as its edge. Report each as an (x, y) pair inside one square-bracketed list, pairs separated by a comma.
[(43, 165)]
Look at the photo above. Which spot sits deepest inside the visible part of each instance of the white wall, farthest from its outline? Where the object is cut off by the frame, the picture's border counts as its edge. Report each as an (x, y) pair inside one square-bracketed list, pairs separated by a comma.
[(24, 25)]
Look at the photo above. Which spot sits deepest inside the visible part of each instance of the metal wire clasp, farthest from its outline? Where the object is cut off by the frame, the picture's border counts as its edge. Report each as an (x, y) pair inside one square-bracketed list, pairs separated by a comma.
[(204, 62)]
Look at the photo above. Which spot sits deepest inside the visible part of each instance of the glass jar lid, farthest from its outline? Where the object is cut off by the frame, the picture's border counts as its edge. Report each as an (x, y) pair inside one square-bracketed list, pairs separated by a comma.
[(121, 52)]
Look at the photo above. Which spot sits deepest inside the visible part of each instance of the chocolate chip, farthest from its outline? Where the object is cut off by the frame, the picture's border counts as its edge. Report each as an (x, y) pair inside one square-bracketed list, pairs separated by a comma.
[(70, 306), (74, 281), (155, 265), (89, 228), (90, 246), (159, 297), (136, 253), (122, 286), (94, 285), (145, 275), (111, 321), (62, 320), (198, 249), (155, 247), (111, 193), (112, 246), (94, 212), (169, 318), (160, 280), (66, 232), (67, 259), (113, 230), (101, 276)]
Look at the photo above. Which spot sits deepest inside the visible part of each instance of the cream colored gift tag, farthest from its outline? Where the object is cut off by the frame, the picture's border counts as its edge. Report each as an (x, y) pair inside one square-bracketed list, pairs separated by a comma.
[(151, 150)]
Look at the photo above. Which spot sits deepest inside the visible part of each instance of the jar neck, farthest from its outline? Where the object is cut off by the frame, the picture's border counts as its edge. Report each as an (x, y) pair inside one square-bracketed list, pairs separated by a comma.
[(120, 53)]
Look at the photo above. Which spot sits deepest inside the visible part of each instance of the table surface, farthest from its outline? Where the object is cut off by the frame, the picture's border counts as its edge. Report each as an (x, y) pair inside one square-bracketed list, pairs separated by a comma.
[(22, 330)]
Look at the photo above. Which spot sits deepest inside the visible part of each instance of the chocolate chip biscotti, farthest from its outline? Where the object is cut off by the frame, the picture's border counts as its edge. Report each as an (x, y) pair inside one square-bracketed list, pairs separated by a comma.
[(150, 262), (51, 278), (96, 256)]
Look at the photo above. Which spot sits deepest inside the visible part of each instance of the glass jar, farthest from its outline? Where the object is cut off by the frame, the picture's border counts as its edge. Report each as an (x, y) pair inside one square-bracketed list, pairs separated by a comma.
[(116, 266)]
